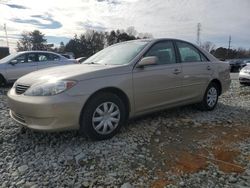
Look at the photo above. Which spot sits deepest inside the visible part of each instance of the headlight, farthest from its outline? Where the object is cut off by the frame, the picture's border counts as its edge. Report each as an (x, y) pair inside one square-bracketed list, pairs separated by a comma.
[(246, 70), (49, 88), (14, 85)]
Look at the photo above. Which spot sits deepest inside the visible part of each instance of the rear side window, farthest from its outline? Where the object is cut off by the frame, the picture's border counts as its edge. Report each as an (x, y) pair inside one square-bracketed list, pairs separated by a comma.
[(189, 53), (48, 57), (53, 57), (164, 51), (43, 57)]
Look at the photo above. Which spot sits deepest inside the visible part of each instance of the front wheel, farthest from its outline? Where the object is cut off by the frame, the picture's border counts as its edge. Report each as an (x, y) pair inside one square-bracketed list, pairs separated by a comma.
[(210, 98), (103, 116)]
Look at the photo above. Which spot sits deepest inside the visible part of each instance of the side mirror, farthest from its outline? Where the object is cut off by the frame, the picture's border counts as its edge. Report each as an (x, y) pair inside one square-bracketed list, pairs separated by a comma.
[(151, 60), (13, 62)]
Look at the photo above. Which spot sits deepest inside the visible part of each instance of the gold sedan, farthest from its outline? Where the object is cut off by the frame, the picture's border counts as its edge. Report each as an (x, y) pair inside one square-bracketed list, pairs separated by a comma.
[(117, 83)]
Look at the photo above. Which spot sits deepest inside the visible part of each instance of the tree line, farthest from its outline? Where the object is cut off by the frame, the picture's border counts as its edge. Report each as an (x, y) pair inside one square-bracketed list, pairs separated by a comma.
[(225, 53), (83, 45), (93, 41)]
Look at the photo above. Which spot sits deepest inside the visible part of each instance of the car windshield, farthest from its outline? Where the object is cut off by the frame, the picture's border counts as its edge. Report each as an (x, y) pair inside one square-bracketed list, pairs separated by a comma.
[(119, 54), (7, 58)]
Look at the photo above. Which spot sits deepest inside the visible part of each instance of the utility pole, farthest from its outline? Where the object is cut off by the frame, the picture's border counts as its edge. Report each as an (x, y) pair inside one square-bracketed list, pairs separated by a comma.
[(198, 34), (229, 45), (6, 35)]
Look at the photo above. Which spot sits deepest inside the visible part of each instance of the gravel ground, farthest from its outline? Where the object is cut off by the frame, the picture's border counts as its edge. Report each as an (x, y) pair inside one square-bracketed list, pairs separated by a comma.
[(181, 147)]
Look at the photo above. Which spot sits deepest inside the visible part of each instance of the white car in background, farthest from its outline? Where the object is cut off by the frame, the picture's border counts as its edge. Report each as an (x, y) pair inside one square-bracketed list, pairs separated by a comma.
[(16, 65), (244, 76), (247, 62)]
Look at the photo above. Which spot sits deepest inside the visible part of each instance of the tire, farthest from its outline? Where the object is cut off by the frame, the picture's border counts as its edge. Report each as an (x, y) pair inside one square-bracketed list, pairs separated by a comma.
[(103, 116), (244, 84), (210, 98), (2, 81)]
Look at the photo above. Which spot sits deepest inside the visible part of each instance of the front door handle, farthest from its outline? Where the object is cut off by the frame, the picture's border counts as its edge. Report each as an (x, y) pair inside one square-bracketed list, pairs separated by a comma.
[(208, 67), (177, 71)]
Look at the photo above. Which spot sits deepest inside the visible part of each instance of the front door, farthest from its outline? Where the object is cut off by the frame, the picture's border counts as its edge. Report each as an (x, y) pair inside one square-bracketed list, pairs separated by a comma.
[(158, 85), (24, 64)]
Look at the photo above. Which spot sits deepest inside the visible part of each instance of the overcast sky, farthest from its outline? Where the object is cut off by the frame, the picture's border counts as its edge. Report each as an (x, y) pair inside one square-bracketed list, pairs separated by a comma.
[(60, 20)]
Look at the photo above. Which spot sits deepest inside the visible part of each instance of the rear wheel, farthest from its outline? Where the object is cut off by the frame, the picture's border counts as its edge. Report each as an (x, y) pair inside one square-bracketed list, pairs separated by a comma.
[(210, 98), (103, 116)]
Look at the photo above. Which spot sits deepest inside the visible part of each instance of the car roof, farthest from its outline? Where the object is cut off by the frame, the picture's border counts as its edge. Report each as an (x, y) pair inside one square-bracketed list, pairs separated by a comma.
[(156, 39), (33, 51)]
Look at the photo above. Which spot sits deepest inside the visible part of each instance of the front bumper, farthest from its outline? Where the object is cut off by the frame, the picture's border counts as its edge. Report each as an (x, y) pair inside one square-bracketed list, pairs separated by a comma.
[(244, 77), (244, 80), (46, 113)]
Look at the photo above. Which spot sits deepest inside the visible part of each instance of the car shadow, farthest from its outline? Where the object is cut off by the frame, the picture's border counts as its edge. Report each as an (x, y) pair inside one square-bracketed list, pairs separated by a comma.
[(221, 112)]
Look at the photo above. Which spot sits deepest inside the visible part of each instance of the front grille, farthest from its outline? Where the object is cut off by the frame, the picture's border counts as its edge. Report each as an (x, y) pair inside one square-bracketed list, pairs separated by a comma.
[(20, 89), (18, 117)]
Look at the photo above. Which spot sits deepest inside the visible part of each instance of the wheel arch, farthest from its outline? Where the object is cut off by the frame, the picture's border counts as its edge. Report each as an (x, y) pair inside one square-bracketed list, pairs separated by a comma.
[(114, 90), (218, 83)]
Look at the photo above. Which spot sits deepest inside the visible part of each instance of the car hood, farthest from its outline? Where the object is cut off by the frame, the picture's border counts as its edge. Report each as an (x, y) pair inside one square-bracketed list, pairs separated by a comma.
[(246, 67), (76, 72), (3, 61)]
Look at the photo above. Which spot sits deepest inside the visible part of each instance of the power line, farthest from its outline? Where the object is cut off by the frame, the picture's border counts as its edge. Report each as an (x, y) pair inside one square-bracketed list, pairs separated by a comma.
[(6, 35), (229, 45), (229, 42), (198, 34)]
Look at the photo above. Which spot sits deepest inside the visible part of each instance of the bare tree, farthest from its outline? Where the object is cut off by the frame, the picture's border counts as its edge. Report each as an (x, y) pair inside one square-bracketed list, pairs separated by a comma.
[(145, 35), (34, 40), (24, 43), (131, 31), (208, 46)]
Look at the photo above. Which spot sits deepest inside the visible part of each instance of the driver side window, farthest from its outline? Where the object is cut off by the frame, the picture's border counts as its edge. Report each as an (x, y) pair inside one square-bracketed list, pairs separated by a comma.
[(21, 59), (164, 51)]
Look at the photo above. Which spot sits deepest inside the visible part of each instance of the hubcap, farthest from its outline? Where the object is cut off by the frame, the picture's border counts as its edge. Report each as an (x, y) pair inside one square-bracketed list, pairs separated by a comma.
[(106, 118), (212, 97)]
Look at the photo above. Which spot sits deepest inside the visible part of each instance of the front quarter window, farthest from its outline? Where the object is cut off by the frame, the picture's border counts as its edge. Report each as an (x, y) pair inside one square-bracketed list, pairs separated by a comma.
[(21, 59)]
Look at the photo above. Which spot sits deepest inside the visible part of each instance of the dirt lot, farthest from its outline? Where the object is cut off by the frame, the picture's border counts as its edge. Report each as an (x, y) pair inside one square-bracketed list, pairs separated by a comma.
[(181, 147)]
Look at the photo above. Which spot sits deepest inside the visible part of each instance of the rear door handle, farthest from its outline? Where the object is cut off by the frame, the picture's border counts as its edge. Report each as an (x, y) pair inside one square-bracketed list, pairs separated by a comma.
[(177, 71), (208, 67)]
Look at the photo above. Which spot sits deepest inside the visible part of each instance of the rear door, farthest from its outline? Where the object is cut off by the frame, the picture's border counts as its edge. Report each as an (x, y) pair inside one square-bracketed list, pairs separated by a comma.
[(158, 85), (197, 70), (25, 63)]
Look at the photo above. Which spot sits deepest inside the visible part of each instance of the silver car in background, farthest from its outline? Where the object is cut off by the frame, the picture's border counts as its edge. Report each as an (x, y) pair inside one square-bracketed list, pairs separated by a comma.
[(16, 65)]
